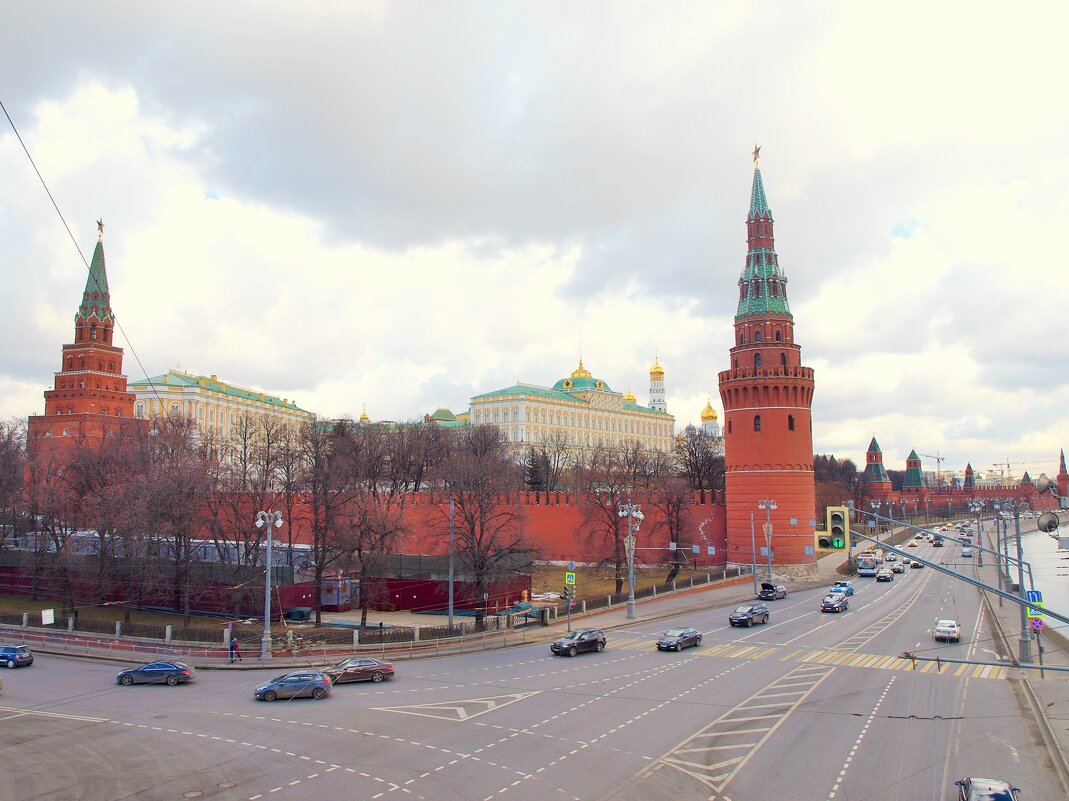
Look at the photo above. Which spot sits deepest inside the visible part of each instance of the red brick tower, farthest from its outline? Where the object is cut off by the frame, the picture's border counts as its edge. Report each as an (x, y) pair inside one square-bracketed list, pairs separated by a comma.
[(768, 397), (90, 394), (1062, 479)]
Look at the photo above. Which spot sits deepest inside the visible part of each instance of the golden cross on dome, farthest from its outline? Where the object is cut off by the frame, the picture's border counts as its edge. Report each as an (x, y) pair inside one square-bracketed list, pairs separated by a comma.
[(100, 230), (756, 156)]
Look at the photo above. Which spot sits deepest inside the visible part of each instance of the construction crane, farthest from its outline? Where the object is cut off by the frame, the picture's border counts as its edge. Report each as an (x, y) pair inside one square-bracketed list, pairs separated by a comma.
[(1019, 463), (938, 464)]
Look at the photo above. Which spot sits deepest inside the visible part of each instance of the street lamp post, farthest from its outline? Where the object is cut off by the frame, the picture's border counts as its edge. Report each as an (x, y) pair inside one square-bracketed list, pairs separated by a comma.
[(753, 554), (271, 520), (1014, 508), (875, 506), (768, 504), (634, 516), (977, 506)]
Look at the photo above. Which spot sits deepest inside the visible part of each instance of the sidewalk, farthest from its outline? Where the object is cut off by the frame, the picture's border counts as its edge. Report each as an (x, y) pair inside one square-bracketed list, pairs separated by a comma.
[(1047, 697)]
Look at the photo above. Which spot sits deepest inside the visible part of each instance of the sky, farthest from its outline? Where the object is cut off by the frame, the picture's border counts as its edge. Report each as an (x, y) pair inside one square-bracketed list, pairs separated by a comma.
[(405, 204)]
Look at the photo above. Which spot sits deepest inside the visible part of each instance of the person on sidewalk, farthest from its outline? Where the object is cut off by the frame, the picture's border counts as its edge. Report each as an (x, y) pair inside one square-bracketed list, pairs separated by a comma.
[(235, 650)]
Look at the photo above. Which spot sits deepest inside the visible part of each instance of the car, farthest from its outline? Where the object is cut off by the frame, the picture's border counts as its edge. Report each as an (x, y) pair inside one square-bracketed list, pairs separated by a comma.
[(835, 602), (575, 642), (885, 574), (915, 564), (912, 543), (169, 673), (359, 668), (919, 535), (678, 639), (898, 567), (977, 789), (748, 615), (949, 630), (546, 596), (891, 557), (845, 587), (298, 684), (966, 552), (13, 656), (770, 592)]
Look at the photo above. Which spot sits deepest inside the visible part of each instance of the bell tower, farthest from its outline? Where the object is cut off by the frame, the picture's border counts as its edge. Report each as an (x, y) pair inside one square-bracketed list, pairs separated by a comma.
[(768, 397), (89, 395)]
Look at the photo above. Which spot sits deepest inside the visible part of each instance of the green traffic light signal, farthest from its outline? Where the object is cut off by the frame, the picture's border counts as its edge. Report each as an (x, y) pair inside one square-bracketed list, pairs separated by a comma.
[(838, 543)]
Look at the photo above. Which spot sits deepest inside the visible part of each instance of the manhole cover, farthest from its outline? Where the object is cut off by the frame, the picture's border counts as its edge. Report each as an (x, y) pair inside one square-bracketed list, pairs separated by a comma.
[(192, 794), (226, 785)]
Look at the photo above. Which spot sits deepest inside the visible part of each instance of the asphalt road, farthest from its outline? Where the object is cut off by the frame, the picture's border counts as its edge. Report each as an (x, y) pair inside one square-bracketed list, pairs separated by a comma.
[(809, 706)]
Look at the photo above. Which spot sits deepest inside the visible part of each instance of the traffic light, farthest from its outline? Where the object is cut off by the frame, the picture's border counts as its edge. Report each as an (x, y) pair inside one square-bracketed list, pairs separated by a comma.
[(836, 534), (569, 592)]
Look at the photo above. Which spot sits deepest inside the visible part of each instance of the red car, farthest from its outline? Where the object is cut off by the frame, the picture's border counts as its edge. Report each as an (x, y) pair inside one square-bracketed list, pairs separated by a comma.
[(359, 668)]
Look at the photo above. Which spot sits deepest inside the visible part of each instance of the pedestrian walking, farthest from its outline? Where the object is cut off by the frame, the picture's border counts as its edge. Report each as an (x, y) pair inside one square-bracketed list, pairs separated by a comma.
[(234, 652), (237, 648)]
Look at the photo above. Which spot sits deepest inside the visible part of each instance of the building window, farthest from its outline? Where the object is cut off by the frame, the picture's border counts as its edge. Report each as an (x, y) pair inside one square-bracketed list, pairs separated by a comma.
[(790, 422), (757, 361), (783, 359), (756, 336), (729, 426), (757, 422)]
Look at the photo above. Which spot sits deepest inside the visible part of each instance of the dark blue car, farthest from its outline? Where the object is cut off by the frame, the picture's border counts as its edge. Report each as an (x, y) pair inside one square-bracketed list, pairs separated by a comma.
[(678, 639)]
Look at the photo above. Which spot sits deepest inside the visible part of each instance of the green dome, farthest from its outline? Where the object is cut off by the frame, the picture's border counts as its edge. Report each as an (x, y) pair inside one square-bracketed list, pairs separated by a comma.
[(573, 384)]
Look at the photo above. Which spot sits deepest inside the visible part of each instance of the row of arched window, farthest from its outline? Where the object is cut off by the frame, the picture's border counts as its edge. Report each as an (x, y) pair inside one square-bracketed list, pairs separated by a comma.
[(757, 423), (82, 364)]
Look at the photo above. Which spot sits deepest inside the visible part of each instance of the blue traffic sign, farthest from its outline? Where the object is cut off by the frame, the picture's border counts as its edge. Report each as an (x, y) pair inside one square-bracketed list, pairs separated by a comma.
[(1034, 597), (1037, 624)]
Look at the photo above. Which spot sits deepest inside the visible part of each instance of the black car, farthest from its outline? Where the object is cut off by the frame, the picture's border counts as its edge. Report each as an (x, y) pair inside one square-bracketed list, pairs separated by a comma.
[(770, 592), (748, 615), (169, 673), (13, 656), (977, 789), (299, 684), (678, 639), (836, 602), (580, 640)]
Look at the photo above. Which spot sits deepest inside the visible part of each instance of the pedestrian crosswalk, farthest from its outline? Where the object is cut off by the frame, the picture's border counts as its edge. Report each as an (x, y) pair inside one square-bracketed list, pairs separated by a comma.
[(835, 657)]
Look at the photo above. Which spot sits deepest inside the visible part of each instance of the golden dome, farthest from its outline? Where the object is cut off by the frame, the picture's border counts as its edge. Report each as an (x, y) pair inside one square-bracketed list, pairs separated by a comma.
[(363, 415), (656, 371), (580, 371), (709, 413), (630, 397)]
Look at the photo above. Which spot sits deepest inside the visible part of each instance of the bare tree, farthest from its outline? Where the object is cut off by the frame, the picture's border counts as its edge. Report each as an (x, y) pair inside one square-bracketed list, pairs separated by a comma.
[(699, 459), (12, 471), (675, 501), (605, 482), (480, 478)]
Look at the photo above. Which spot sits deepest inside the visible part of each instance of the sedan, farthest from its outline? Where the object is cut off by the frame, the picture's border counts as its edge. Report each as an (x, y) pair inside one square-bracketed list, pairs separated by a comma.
[(300, 684), (949, 630), (359, 669), (898, 567), (836, 602), (885, 574), (169, 673), (678, 639), (748, 615), (912, 543), (915, 563), (976, 789), (770, 592), (891, 557), (966, 552)]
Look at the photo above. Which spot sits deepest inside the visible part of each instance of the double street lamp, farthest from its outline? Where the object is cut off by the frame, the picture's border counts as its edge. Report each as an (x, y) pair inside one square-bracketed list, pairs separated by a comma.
[(977, 506), (271, 520), (768, 504), (1012, 508), (634, 516), (875, 506)]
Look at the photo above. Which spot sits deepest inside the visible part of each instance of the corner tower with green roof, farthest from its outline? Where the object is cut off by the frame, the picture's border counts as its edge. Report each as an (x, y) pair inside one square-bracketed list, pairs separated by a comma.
[(913, 482), (768, 398)]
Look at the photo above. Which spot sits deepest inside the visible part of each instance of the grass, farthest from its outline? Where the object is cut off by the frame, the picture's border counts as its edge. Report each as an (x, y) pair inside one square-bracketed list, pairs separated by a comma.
[(19, 603), (592, 581)]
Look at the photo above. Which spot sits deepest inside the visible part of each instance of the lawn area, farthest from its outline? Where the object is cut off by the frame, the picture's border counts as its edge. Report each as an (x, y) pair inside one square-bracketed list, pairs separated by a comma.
[(591, 581), (17, 604)]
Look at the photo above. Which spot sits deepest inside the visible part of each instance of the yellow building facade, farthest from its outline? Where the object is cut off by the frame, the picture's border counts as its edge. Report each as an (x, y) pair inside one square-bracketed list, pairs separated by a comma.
[(580, 411)]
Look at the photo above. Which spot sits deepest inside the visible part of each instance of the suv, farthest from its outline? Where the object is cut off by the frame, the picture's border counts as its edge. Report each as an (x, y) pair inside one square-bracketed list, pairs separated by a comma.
[(14, 656), (575, 642), (748, 615)]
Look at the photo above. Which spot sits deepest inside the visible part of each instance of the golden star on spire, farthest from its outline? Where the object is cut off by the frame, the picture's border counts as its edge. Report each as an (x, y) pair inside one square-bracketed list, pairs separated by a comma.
[(756, 156), (100, 230)]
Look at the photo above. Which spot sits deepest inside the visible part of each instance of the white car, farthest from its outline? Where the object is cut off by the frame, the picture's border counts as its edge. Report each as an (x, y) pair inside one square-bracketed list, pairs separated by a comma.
[(890, 558), (949, 630)]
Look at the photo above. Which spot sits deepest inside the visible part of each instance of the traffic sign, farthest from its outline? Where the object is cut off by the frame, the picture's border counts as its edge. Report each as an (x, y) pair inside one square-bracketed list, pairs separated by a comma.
[(571, 566), (1037, 624), (569, 578), (1034, 597)]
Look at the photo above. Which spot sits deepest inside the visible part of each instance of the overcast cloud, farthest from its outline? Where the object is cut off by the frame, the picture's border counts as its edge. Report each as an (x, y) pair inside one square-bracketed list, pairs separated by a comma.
[(405, 204)]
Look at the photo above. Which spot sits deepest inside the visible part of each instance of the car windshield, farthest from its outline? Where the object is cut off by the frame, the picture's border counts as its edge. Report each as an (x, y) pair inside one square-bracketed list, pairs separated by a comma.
[(674, 633), (742, 610), (572, 635), (946, 624)]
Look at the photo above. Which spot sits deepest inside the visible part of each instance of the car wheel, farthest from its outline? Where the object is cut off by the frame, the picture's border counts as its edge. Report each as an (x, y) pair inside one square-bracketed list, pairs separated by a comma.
[(601, 647), (377, 676), (766, 619), (127, 680), (697, 642), (11, 663), (172, 681), (749, 623), (270, 695), (573, 651), (679, 647), (318, 693)]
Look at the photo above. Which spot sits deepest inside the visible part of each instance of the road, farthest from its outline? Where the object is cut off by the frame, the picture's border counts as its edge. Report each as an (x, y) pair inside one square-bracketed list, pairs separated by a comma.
[(811, 705)]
